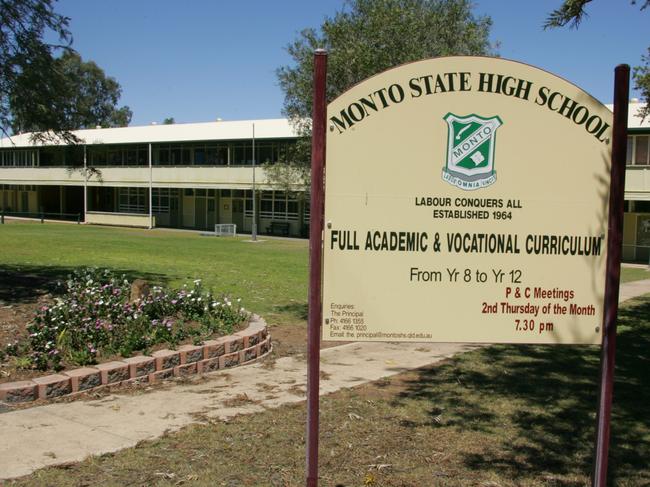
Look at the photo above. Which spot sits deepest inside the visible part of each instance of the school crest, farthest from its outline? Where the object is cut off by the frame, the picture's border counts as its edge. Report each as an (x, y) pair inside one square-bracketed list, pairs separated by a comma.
[(471, 142)]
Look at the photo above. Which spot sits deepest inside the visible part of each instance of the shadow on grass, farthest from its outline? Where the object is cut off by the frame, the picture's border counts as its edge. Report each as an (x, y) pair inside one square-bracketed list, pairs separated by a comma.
[(297, 310), (25, 283), (534, 407)]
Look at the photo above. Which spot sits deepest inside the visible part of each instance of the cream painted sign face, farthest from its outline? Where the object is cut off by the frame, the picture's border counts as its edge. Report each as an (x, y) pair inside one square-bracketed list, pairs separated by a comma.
[(466, 200)]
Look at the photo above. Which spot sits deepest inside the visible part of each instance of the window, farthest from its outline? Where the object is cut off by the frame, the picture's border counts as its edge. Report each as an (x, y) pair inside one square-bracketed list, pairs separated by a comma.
[(186, 155), (642, 206), (306, 215), (51, 156), (115, 156), (638, 150), (164, 199), (217, 155), (20, 158), (630, 150), (242, 154), (131, 158), (161, 155), (275, 205), (96, 156), (134, 155), (641, 150), (199, 156), (266, 152), (176, 156), (143, 155), (133, 200)]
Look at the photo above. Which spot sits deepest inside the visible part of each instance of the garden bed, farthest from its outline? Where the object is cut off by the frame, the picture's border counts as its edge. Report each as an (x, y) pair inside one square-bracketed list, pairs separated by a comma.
[(95, 316), (243, 347)]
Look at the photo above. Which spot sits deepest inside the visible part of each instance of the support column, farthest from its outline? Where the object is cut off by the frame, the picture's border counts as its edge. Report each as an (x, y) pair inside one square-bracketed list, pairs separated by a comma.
[(150, 190), (254, 222), (85, 183)]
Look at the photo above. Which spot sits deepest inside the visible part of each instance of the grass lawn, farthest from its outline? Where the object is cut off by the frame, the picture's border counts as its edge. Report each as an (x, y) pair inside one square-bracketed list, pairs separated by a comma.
[(629, 274), (497, 416), (270, 277)]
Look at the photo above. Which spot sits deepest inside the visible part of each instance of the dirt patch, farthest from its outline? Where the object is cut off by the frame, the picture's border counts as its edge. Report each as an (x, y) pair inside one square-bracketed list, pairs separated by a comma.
[(289, 340), (239, 400), (20, 298)]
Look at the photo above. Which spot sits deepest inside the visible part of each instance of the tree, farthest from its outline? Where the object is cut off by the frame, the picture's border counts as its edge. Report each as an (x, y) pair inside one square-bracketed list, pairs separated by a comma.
[(79, 93), (572, 13), (642, 83), (169, 121), (22, 25), (46, 87), (369, 36)]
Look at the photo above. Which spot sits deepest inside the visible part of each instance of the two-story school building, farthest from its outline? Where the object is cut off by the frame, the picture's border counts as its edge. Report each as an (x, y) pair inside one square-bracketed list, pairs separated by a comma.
[(636, 226), (182, 175), (198, 174)]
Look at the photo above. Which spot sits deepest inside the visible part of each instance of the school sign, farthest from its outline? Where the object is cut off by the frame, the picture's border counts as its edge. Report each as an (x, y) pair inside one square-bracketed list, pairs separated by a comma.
[(466, 199)]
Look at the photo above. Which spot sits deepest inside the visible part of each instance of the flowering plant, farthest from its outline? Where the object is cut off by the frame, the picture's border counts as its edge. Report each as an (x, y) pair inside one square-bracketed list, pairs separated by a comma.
[(94, 317)]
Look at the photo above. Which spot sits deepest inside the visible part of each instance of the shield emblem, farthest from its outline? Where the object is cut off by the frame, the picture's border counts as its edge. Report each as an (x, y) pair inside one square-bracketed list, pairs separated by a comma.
[(470, 150)]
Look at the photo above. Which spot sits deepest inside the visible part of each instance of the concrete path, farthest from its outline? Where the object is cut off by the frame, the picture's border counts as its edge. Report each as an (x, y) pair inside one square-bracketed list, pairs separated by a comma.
[(633, 289), (67, 432)]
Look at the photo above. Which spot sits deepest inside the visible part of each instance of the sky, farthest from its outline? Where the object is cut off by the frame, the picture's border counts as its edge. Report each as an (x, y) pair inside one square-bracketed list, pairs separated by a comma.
[(199, 60)]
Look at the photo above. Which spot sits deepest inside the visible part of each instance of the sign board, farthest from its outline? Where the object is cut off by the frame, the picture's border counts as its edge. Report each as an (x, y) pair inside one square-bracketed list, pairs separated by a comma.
[(466, 199)]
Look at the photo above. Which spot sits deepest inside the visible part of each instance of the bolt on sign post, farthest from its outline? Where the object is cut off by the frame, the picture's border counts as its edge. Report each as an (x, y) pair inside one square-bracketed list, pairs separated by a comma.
[(467, 199)]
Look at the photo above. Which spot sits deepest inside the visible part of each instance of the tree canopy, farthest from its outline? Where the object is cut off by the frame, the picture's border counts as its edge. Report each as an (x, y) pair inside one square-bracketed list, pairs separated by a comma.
[(573, 12), (47, 86), (77, 95), (370, 36)]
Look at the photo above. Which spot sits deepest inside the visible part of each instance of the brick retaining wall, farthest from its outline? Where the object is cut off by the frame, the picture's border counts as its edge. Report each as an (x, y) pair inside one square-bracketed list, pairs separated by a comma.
[(241, 348)]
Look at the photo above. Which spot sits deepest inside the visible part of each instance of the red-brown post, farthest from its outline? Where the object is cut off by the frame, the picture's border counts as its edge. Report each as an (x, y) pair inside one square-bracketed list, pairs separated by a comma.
[(614, 250), (317, 209)]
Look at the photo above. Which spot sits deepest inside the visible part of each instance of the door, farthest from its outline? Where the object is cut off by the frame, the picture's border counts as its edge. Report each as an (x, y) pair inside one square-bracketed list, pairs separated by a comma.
[(200, 213), (238, 214), (188, 208), (212, 219)]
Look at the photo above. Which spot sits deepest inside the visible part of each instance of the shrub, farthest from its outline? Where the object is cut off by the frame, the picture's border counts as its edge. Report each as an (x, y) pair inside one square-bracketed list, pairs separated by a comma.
[(94, 317)]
